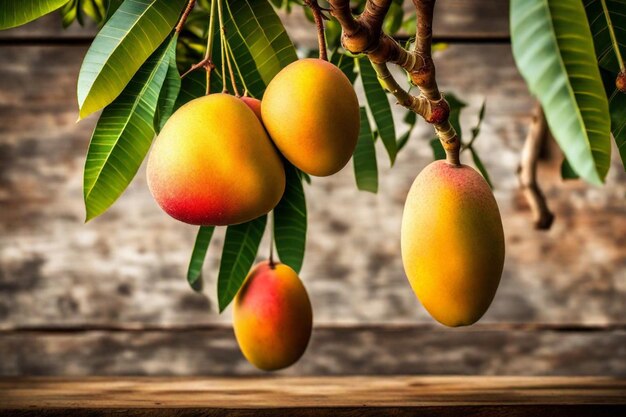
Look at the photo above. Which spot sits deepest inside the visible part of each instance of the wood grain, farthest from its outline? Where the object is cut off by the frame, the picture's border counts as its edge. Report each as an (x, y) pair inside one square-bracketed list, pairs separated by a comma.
[(333, 350), (430, 396)]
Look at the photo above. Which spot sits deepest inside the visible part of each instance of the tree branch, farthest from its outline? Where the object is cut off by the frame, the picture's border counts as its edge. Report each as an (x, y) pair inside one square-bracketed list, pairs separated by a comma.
[(185, 15), (364, 35), (535, 139)]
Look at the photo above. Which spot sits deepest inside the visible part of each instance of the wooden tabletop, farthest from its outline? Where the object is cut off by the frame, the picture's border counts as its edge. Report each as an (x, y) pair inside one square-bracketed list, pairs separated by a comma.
[(319, 396)]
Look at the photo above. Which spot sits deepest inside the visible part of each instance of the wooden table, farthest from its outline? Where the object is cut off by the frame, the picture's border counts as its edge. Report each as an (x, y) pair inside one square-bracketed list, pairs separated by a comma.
[(315, 396)]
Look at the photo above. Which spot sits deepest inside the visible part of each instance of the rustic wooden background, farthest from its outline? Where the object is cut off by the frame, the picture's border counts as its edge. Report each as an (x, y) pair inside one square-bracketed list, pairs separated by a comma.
[(110, 297)]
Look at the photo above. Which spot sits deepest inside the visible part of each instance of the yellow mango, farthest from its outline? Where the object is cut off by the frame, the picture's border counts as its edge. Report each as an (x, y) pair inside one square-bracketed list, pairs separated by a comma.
[(311, 112), (272, 317), (452, 243), (213, 164)]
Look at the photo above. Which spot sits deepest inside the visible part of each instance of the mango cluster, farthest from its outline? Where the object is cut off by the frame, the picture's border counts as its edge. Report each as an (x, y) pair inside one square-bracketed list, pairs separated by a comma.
[(219, 160)]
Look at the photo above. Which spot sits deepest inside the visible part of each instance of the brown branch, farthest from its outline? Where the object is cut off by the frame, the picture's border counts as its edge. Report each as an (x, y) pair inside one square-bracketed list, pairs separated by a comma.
[(535, 139), (183, 18), (364, 35), (319, 24)]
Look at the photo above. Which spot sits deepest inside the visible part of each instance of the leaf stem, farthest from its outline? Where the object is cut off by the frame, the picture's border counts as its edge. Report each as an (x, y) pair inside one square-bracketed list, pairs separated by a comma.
[(609, 23), (229, 50), (209, 48), (222, 41)]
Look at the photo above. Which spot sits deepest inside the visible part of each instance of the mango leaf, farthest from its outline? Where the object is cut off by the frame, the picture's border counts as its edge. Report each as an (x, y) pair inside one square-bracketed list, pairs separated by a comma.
[(437, 148), (123, 135), (134, 31), (169, 92), (379, 107), (259, 42), (345, 64), (476, 129), (481, 167), (567, 173), (240, 247), (456, 106), (112, 6), (617, 107), (364, 158), (410, 119), (194, 272), (553, 49), (18, 12), (606, 49), (290, 221)]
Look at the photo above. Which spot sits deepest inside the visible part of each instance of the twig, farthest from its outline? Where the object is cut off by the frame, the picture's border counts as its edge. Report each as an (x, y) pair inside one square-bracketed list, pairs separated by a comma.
[(364, 35), (535, 139), (319, 24), (185, 15)]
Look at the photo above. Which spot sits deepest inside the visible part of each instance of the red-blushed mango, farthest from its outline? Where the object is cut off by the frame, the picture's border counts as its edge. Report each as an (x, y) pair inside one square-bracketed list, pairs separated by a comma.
[(452, 243), (272, 317), (311, 112), (213, 164), (254, 104)]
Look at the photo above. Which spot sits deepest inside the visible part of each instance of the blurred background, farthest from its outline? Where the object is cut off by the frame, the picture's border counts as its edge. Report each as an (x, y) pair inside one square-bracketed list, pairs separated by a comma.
[(110, 297)]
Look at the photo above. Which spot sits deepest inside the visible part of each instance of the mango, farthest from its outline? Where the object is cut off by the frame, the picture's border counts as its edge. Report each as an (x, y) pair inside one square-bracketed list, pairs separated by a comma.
[(272, 317), (311, 112), (213, 164), (452, 243), (254, 104)]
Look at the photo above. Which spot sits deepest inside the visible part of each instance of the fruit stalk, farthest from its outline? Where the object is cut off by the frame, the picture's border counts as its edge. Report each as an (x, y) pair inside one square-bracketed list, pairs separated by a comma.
[(537, 133), (319, 24), (364, 35), (185, 15)]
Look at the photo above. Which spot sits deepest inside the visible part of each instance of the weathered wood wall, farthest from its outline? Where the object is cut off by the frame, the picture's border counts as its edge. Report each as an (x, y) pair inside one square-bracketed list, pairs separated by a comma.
[(109, 297)]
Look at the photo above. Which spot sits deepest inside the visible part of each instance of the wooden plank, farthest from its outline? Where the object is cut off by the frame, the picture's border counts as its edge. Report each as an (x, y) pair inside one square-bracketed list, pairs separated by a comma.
[(429, 396), (128, 266), (333, 350), (454, 19)]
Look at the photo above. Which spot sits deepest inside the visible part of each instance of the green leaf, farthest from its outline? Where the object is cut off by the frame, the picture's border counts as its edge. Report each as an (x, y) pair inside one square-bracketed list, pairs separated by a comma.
[(410, 119), (123, 135), (481, 167), (259, 42), (345, 64), (567, 173), (617, 108), (599, 24), (69, 13), (194, 272), (456, 106), (476, 129), (169, 92), (379, 107), (364, 158), (393, 20), (136, 29), (554, 51), (290, 221), (18, 12), (240, 247), (438, 151), (112, 6)]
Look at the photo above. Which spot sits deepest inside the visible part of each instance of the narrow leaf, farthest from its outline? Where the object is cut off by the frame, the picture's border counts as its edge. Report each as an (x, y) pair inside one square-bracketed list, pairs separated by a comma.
[(437, 148), (259, 42), (345, 64), (410, 119), (169, 92), (567, 173), (134, 31), (290, 221), (240, 247), (364, 158), (481, 167), (18, 12), (599, 20), (617, 108), (379, 107), (123, 136), (554, 51), (194, 272)]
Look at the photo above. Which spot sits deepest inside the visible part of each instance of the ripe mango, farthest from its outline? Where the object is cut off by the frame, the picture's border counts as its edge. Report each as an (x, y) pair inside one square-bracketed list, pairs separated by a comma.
[(272, 317), (452, 243), (312, 114), (254, 104), (213, 164)]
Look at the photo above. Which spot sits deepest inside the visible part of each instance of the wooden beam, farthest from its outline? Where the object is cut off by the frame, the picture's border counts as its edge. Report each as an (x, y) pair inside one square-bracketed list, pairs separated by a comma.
[(319, 396)]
